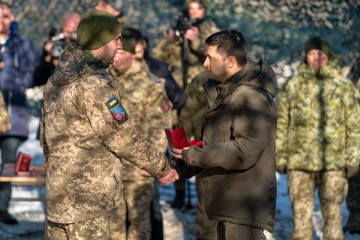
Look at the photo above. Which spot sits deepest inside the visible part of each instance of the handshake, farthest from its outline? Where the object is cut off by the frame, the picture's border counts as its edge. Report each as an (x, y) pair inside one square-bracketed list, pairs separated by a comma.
[(178, 142), (171, 177)]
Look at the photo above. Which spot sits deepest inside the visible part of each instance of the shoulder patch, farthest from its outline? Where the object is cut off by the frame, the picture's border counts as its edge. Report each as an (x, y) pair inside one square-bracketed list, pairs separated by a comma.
[(116, 110)]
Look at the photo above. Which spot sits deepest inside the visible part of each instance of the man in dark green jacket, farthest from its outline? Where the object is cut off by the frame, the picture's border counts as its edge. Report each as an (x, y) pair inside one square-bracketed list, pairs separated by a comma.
[(237, 161)]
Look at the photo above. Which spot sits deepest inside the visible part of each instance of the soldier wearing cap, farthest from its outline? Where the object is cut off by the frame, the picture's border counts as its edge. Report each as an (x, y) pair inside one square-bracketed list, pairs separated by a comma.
[(86, 133), (318, 138), (145, 99)]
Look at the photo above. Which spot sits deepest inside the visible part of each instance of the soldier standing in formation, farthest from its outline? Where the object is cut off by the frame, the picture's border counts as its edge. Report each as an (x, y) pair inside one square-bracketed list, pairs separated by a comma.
[(86, 133), (318, 139), (144, 97)]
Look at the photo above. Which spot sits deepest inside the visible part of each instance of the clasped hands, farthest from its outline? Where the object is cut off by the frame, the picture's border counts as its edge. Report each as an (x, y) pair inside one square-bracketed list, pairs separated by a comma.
[(173, 175)]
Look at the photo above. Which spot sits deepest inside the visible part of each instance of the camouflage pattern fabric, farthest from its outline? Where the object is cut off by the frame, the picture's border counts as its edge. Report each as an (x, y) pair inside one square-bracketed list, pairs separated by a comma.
[(170, 52), (144, 98), (192, 115), (332, 190), (135, 208), (5, 124), (84, 141), (92, 229), (318, 121)]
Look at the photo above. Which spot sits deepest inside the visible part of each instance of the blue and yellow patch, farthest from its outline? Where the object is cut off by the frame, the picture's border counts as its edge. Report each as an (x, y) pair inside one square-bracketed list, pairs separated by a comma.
[(116, 109)]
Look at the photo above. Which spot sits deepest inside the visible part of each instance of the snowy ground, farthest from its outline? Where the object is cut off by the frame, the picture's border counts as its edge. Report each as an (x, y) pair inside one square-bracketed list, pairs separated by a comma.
[(178, 224)]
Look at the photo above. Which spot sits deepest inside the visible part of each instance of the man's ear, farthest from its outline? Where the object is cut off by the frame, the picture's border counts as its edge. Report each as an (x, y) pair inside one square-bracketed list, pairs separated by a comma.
[(231, 61)]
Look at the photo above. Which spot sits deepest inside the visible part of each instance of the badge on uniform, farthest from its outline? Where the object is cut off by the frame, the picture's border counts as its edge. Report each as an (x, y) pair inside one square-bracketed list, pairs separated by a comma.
[(116, 110)]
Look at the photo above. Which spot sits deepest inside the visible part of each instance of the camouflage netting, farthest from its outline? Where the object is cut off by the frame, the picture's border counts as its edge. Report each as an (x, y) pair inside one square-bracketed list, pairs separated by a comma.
[(276, 30)]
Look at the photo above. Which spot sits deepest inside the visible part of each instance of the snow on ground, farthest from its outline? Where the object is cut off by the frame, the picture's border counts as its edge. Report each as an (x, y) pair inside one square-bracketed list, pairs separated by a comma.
[(178, 224)]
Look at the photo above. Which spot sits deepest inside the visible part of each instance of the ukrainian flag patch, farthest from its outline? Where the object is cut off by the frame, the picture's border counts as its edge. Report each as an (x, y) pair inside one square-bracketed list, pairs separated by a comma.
[(116, 109)]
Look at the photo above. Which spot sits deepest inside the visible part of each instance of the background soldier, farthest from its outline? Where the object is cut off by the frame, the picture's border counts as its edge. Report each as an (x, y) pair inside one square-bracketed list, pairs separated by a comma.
[(144, 97), (186, 60), (193, 26), (85, 133), (317, 139)]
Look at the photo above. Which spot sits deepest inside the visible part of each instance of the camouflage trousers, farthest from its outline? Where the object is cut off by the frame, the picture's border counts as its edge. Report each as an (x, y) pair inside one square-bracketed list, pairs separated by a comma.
[(332, 191), (134, 209), (92, 229), (353, 203)]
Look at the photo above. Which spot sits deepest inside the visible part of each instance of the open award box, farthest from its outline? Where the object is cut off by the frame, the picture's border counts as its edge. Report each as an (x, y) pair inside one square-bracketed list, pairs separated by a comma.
[(177, 138)]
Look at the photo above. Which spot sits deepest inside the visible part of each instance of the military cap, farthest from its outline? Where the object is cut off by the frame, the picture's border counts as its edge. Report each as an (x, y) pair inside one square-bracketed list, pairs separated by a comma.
[(319, 44), (97, 28), (203, 2), (129, 38)]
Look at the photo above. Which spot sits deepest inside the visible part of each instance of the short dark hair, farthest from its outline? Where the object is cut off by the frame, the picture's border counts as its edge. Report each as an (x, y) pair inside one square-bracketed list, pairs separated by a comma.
[(230, 43)]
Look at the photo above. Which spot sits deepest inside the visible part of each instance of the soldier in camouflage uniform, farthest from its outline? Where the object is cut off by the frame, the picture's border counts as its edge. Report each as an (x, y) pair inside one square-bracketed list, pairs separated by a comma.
[(144, 98), (169, 50), (5, 124), (353, 197), (317, 139), (169, 47), (86, 133)]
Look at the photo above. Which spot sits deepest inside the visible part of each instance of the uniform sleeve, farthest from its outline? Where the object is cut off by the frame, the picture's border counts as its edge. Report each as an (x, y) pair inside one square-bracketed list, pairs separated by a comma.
[(254, 126), (117, 133), (283, 113), (351, 100), (42, 132), (158, 114)]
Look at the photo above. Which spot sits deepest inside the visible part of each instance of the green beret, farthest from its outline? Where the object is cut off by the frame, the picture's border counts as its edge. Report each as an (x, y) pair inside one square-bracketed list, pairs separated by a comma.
[(319, 44), (129, 39), (203, 2), (97, 28)]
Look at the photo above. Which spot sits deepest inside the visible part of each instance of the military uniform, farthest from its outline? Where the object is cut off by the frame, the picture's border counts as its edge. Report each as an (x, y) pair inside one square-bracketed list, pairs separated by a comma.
[(85, 133), (170, 52), (317, 142), (5, 124), (144, 98)]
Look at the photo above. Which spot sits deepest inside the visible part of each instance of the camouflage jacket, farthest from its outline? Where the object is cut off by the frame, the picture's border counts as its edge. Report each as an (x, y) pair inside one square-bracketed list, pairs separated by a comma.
[(144, 98), (170, 52), (85, 132), (318, 121), (5, 124), (192, 115)]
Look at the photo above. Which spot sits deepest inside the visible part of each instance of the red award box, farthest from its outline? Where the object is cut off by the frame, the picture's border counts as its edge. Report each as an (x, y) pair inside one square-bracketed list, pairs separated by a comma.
[(177, 138), (22, 162)]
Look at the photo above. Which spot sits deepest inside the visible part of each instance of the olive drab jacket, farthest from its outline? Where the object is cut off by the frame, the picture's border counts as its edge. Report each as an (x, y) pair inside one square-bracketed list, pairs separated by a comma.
[(85, 133), (237, 160), (318, 121)]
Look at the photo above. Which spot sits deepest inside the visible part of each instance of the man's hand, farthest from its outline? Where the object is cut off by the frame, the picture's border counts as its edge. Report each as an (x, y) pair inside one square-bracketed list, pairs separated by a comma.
[(192, 34), (177, 152), (145, 173), (172, 176)]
